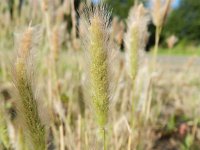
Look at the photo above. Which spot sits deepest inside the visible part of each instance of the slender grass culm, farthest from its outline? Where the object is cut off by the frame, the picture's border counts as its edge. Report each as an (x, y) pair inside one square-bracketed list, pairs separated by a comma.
[(96, 22), (159, 12), (27, 106)]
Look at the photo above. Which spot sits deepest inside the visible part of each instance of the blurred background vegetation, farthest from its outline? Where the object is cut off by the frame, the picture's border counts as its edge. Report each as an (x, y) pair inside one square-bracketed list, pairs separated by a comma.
[(183, 22), (182, 27)]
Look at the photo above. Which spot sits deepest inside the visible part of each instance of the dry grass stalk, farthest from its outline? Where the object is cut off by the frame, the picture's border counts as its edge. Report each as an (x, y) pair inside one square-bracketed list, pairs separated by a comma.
[(54, 93), (55, 44), (45, 8), (74, 24), (27, 104)]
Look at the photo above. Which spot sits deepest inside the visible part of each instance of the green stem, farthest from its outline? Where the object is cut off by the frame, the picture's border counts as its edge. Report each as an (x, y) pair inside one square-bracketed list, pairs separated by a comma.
[(155, 52)]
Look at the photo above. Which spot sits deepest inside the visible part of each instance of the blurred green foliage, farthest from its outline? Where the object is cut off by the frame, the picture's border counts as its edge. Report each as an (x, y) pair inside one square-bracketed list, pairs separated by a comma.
[(181, 50), (121, 8), (184, 21)]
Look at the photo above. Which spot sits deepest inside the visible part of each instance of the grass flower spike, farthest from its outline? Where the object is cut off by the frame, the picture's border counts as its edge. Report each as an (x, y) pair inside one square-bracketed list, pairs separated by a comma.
[(27, 104), (160, 11), (97, 21), (136, 37)]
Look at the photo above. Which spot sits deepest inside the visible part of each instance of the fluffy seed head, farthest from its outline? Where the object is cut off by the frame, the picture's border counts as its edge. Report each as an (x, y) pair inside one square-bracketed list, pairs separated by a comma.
[(96, 21), (136, 37), (25, 44), (28, 110), (159, 11)]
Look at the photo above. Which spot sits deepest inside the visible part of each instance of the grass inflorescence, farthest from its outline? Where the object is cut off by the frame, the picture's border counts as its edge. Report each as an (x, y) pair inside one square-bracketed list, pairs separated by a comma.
[(98, 43), (27, 104)]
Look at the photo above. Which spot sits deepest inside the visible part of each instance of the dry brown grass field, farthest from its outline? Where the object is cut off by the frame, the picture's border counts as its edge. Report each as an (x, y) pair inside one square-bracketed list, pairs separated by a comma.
[(80, 79)]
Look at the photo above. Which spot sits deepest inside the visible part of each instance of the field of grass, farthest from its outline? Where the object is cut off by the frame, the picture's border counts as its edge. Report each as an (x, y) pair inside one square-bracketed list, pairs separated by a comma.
[(67, 84)]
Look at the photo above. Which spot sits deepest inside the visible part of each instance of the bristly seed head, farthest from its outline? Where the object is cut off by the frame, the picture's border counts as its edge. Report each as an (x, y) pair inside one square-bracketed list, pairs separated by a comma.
[(159, 11), (95, 36), (28, 110), (26, 43), (136, 37)]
